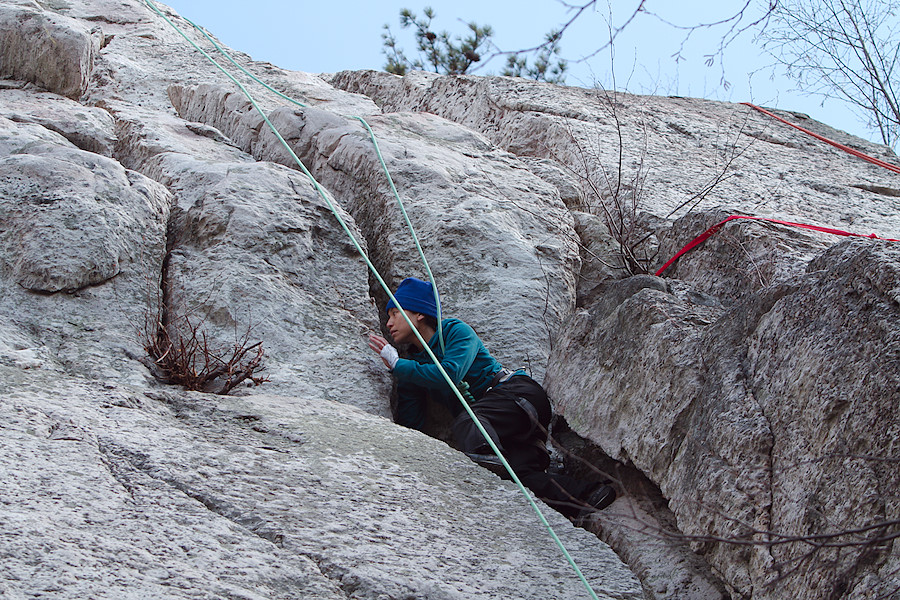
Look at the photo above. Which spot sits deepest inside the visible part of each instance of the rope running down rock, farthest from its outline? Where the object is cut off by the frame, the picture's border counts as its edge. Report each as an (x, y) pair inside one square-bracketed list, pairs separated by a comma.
[(387, 290)]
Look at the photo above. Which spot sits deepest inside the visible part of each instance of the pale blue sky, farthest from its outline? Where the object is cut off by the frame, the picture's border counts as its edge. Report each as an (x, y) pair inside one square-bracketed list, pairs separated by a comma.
[(327, 36)]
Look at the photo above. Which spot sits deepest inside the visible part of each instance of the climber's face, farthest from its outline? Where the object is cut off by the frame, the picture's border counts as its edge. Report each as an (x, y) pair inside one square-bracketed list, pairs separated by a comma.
[(400, 330)]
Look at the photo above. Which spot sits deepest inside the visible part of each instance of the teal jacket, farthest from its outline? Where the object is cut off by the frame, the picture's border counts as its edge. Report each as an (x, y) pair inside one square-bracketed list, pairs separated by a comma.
[(465, 359)]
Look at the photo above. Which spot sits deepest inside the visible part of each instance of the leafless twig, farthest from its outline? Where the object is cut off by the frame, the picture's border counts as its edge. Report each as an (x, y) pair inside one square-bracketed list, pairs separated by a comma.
[(182, 354)]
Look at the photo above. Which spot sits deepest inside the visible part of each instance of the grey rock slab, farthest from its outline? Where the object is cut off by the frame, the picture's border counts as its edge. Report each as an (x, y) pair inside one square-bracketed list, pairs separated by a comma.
[(228, 110), (60, 238), (82, 246), (89, 128), (601, 259), (663, 561), (143, 54), (256, 253), (570, 188), (189, 495), (17, 138), (824, 366), (79, 521), (109, 14), (144, 135), (137, 55), (675, 147), (43, 47)]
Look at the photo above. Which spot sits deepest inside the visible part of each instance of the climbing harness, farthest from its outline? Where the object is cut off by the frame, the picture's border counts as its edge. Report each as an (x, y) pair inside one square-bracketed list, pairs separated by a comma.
[(715, 228), (502, 376), (532, 413), (381, 281)]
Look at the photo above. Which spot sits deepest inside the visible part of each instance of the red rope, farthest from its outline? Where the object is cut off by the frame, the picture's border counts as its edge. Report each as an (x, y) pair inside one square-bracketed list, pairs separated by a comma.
[(712, 230), (854, 152)]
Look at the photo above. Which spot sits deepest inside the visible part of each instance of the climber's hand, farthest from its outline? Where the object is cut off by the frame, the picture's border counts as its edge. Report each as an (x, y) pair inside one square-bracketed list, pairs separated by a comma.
[(387, 352)]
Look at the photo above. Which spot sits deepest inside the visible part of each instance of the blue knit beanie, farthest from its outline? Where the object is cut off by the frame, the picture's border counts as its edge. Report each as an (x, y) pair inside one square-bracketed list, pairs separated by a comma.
[(415, 295)]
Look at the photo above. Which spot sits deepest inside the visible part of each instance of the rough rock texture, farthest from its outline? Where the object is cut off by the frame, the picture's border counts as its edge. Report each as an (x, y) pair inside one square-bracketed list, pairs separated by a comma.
[(43, 47), (665, 375), (112, 491), (253, 250), (752, 393), (681, 145), (82, 244), (744, 257), (89, 128), (773, 418), (489, 228), (115, 484)]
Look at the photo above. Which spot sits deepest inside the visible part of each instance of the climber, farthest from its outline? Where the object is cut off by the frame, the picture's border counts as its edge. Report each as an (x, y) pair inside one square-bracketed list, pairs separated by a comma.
[(512, 407)]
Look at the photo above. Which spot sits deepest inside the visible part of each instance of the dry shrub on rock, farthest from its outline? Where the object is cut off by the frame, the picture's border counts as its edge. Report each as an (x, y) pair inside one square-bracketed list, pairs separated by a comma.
[(182, 353)]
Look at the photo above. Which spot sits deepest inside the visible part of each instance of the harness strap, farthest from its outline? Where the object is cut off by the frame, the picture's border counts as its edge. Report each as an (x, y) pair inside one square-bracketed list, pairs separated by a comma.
[(531, 411), (499, 377), (502, 376)]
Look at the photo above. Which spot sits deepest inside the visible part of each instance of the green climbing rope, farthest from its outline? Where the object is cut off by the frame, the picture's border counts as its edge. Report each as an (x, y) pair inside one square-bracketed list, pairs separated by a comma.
[(387, 173), (320, 190), (437, 298)]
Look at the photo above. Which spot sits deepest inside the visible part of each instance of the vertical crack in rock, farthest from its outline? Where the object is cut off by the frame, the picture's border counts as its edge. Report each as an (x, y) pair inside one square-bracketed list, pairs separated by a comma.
[(640, 527), (755, 318), (334, 572), (768, 509), (158, 317), (752, 465), (165, 284)]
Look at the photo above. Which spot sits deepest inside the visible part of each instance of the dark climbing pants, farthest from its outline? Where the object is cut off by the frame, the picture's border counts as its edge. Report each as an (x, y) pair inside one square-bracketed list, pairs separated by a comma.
[(516, 415)]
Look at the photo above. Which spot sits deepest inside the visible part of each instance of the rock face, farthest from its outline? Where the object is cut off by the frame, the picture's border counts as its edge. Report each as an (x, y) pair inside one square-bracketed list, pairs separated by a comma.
[(791, 396), (730, 386), (488, 227), (46, 48), (673, 149), (111, 491), (755, 386), (112, 207)]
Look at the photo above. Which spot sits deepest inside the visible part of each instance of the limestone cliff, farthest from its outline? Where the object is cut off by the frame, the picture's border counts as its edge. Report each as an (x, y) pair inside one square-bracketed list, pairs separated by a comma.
[(751, 393)]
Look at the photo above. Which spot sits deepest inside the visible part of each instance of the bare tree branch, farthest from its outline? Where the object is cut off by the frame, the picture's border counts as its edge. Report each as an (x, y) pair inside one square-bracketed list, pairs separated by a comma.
[(744, 19), (843, 49), (182, 354)]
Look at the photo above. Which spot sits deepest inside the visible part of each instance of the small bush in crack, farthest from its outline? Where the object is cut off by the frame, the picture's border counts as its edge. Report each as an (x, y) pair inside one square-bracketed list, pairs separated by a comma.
[(182, 353), (615, 190)]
